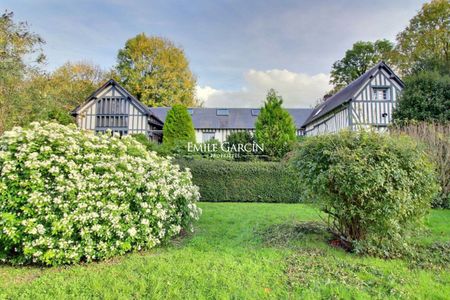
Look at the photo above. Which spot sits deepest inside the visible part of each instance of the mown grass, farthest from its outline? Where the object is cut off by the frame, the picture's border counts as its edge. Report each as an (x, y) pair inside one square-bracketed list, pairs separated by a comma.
[(236, 252)]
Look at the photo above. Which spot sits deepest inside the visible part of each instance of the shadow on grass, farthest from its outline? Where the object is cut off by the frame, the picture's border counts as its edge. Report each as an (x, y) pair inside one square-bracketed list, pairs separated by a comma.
[(301, 236), (289, 234)]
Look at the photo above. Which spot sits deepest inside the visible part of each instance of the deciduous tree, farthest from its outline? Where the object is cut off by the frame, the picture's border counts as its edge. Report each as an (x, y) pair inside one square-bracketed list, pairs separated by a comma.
[(357, 60), (20, 52), (426, 97), (426, 39), (156, 71), (73, 82)]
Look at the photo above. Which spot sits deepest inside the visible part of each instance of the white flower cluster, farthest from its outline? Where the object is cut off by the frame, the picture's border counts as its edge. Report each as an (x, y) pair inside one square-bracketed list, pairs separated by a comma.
[(68, 195)]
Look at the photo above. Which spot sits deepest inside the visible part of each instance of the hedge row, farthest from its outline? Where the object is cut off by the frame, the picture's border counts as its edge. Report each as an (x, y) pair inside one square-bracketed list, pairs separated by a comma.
[(221, 180)]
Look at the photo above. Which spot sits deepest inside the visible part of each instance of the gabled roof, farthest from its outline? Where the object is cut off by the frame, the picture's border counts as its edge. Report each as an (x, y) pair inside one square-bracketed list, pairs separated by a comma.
[(107, 84), (346, 94), (237, 118)]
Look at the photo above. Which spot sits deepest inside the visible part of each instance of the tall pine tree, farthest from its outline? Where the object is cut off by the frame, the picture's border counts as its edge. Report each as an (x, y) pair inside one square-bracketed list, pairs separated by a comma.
[(275, 128), (178, 128)]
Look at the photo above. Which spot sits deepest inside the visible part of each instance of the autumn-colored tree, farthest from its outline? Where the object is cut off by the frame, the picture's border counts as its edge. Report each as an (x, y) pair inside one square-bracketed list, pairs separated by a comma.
[(18, 46), (275, 128), (358, 60), (425, 42), (156, 71), (64, 89), (73, 82), (27, 93)]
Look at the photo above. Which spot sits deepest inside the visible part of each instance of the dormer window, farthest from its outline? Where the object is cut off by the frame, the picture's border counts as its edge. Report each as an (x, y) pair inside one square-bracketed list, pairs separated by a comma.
[(318, 111), (222, 112), (380, 94)]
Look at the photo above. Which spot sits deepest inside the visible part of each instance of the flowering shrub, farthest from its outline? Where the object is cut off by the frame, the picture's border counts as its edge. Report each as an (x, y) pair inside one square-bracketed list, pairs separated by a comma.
[(68, 196)]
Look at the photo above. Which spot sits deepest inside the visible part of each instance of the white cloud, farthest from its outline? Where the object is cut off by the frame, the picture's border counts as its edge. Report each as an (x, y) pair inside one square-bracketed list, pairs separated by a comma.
[(297, 89), (205, 93)]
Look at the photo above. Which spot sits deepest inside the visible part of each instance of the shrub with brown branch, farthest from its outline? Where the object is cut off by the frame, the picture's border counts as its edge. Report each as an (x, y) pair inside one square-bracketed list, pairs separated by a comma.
[(375, 188), (436, 138)]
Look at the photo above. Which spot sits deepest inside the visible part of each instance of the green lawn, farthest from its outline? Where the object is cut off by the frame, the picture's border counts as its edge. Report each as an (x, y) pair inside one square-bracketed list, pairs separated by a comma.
[(233, 255)]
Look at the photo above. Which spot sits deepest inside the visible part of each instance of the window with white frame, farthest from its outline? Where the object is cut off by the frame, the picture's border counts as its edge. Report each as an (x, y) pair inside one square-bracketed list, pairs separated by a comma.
[(208, 135), (380, 93), (222, 112), (255, 112)]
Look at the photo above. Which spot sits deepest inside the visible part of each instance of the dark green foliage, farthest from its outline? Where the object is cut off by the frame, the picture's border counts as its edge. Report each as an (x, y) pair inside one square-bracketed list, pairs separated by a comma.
[(60, 116), (178, 127), (240, 138), (221, 180), (149, 145), (275, 128), (426, 97), (430, 65), (374, 188), (358, 60)]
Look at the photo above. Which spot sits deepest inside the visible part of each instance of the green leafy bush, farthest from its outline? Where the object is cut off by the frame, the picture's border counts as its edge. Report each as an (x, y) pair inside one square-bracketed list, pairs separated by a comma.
[(68, 196), (240, 138), (426, 97), (256, 181), (374, 188), (146, 142)]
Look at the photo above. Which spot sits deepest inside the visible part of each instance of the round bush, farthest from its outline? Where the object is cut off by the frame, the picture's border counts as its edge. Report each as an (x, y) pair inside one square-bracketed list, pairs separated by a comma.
[(374, 187), (68, 196)]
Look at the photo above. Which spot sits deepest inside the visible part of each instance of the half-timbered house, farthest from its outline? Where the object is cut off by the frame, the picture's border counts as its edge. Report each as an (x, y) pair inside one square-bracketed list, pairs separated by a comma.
[(113, 107), (367, 102)]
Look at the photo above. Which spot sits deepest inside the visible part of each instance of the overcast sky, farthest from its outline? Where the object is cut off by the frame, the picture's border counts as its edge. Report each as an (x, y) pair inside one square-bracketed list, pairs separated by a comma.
[(237, 49)]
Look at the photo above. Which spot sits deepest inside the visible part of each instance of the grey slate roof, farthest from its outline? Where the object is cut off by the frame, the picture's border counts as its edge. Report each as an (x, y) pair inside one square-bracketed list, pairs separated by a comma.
[(238, 118), (346, 94)]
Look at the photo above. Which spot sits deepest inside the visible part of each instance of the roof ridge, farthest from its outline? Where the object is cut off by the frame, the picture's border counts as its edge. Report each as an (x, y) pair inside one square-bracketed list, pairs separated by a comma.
[(346, 93)]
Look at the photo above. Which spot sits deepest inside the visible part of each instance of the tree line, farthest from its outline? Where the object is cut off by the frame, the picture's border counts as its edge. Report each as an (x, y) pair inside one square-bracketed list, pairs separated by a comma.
[(152, 68), (421, 56)]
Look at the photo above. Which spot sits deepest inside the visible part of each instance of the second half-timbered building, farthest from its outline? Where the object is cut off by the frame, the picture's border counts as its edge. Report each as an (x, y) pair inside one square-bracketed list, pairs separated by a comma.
[(367, 102)]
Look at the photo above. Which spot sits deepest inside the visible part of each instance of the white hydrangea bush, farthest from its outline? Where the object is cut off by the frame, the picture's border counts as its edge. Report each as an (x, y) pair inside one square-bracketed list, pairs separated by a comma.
[(68, 196)]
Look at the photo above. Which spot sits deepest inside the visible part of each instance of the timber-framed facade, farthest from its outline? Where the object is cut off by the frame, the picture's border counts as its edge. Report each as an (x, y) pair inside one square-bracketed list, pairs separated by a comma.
[(367, 102)]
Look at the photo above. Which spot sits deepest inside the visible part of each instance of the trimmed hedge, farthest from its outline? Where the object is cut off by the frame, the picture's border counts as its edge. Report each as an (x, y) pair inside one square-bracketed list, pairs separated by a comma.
[(221, 180)]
